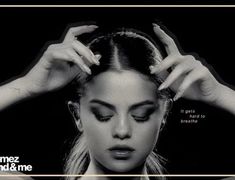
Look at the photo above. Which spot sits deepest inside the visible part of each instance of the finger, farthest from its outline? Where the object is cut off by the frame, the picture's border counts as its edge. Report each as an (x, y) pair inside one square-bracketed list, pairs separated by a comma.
[(168, 62), (76, 31), (167, 41), (178, 71), (85, 52), (191, 78), (74, 71), (78, 61)]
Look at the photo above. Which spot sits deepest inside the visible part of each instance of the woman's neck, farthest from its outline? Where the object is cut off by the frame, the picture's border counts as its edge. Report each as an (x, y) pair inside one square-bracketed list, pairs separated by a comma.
[(93, 170)]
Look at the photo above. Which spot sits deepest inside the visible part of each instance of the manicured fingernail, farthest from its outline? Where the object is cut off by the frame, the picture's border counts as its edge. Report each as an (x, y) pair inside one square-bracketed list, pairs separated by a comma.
[(177, 96), (161, 87), (94, 59), (97, 58), (157, 70), (155, 25), (93, 26), (151, 69), (87, 69)]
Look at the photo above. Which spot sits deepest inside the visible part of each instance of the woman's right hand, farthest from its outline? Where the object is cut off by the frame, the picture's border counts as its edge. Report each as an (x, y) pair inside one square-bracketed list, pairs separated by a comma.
[(61, 63)]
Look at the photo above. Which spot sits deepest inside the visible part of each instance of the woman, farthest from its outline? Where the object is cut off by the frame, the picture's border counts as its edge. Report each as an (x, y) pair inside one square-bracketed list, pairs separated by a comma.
[(122, 95), (119, 108)]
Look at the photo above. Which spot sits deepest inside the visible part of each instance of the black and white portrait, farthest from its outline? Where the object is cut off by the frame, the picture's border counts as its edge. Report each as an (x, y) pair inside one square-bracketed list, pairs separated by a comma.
[(124, 91)]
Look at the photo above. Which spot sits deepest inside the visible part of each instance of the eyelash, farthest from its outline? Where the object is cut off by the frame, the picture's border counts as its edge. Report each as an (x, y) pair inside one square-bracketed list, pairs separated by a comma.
[(145, 117), (107, 118), (102, 118), (142, 118)]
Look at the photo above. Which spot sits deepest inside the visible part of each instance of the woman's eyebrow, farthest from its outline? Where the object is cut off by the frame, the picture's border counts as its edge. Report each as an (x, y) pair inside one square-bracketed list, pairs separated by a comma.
[(147, 102), (97, 101), (134, 106)]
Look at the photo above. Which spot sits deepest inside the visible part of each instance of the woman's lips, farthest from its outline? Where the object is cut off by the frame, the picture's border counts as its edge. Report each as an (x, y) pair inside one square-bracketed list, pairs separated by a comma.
[(121, 152)]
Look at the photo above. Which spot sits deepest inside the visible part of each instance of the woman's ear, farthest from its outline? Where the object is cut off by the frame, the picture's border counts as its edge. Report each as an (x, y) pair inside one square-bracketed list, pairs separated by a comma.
[(74, 109)]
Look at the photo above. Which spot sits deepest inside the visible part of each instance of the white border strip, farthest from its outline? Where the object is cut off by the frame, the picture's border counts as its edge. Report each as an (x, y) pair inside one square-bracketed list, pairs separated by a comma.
[(119, 175), (225, 6)]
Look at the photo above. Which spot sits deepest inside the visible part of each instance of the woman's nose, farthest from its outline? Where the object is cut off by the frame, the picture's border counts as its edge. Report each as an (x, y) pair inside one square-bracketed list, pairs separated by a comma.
[(122, 128)]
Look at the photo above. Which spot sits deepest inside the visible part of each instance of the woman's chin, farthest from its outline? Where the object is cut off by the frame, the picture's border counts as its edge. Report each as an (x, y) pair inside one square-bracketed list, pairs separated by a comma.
[(124, 168)]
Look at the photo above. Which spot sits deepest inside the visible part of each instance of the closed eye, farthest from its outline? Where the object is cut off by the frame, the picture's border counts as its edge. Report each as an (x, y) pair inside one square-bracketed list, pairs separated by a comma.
[(101, 114), (141, 115), (141, 118), (103, 118)]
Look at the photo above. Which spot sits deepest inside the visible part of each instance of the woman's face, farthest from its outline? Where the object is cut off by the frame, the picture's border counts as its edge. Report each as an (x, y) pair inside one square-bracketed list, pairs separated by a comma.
[(121, 118)]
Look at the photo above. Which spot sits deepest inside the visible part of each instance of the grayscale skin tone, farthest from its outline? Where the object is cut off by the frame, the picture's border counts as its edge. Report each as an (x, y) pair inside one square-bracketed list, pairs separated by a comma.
[(189, 78), (61, 63), (53, 72), (120, 109), (58, 65)]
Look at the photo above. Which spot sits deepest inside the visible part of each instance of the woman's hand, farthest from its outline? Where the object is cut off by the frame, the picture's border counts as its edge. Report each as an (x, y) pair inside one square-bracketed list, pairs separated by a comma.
[(188, 78), (61, 63)]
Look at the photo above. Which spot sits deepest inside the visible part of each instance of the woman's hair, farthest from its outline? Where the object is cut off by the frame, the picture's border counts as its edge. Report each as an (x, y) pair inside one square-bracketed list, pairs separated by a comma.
[(120, 50)]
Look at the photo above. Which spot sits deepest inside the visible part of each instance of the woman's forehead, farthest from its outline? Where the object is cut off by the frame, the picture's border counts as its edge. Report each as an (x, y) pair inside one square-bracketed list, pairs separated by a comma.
[(121, 86)]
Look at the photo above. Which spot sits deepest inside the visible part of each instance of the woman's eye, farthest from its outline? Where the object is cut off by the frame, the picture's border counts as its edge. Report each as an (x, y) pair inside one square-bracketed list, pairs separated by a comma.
[(102, 115), (141, 118), (141, 115), (103, 118)]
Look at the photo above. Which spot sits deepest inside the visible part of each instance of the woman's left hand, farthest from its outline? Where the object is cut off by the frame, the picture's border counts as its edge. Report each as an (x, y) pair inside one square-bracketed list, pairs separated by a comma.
[(189, 78)]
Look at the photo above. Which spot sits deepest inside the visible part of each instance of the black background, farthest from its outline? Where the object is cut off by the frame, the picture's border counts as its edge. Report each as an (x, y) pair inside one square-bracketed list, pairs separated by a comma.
[(40, 130)]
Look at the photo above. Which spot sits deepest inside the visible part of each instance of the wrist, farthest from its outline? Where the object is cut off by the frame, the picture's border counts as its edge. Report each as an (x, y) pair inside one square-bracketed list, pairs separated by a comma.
[(220, 96), (24, 87), (214, 96), (226, 99), (20, 85)]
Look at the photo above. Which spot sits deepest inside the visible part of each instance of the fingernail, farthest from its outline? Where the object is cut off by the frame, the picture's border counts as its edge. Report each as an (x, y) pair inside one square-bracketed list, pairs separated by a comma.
[(97, 58), (155, 70), (87, 69), (161, 87), (94, 26), (92, 54), (94, 59), (177, 96), (155, 25), (151, 69)]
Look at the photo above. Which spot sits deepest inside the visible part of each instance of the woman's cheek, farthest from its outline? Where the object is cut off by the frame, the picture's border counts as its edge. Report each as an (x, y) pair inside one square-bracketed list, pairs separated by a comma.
[(147, 137), (95, 132), (151, 131)]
